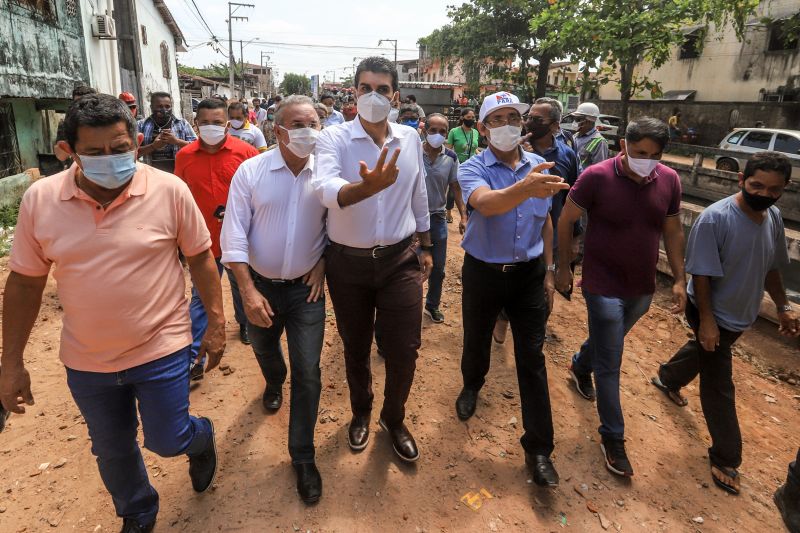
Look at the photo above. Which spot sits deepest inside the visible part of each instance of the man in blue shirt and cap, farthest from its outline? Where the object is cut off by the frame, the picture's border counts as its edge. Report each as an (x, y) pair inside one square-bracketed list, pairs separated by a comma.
[(509, 265)]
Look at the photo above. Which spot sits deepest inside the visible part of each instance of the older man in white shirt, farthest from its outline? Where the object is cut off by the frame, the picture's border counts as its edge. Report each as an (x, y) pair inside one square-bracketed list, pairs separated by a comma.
[(273, 238), (374, 272)]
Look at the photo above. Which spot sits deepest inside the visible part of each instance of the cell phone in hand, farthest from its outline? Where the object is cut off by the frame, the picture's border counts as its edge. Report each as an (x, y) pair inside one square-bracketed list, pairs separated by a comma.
[(219, 212)]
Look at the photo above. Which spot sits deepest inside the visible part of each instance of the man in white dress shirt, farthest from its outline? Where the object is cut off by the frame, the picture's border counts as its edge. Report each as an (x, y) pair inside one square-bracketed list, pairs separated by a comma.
[(374, 272), (273, 238)]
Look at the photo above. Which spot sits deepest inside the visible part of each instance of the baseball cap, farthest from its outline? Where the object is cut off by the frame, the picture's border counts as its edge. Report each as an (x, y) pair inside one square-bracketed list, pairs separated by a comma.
[(128, 98), (499, 100)]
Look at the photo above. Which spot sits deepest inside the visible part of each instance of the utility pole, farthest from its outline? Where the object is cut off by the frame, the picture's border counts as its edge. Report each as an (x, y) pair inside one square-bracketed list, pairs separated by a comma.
[(332, 72), (260, 87), (231, 18), (394, 42)]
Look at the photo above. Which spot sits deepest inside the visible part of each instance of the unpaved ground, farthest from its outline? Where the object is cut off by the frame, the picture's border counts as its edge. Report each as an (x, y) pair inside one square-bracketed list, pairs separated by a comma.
[(372, 491)]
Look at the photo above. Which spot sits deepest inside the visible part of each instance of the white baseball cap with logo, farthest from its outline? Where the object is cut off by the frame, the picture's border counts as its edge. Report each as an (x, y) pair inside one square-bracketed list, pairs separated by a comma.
[(496, 101)]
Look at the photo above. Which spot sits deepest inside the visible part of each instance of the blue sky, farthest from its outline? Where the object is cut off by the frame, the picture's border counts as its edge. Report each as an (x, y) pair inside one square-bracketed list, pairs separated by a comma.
[(281, 27)]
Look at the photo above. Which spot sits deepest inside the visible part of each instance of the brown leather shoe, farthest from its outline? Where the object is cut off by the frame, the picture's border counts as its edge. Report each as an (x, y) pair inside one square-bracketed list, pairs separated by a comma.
[(402, 442), (358, 433)]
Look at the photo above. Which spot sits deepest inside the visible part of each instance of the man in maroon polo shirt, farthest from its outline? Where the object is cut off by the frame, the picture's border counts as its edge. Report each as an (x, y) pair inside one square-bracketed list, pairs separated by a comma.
[(631, 201)]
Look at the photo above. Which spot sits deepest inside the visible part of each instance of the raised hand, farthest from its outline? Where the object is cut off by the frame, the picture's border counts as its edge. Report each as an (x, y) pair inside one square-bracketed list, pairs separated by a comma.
[(383, 175), (540, 185)]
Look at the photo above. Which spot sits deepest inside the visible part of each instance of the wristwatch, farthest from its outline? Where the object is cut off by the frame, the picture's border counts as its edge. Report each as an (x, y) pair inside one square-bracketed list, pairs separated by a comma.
[(785, 308), (551, 268)]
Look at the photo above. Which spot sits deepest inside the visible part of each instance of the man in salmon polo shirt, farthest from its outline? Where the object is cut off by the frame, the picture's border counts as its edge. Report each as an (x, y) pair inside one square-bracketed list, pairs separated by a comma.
[(113, 229)]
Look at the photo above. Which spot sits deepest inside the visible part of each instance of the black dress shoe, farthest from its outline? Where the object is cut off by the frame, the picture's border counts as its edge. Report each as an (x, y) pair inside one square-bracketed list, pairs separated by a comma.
[(272, 399), (243, 336), (358, 433), (465, 404), (309, 482), (402, 442), (203, 466), (544, 473), (197, 372), (129, 525)]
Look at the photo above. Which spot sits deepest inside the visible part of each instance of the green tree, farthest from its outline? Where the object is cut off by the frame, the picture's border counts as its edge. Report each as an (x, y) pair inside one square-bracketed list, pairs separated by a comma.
[(616, 36), (295, 84), (488, 36)]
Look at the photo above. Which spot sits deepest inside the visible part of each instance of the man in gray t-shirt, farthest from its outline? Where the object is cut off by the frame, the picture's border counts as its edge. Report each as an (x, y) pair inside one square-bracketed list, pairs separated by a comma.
[(736, 249), (441, 172)]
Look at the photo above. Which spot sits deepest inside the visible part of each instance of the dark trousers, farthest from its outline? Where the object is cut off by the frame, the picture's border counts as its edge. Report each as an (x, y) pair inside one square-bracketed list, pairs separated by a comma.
[(439, 240), (717, 392), (304, 323), (382, 297), (520, 292), (108, 403)]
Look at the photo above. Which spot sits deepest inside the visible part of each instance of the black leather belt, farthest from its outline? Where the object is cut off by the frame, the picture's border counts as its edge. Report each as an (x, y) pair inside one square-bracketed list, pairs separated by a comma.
[(259, 278), (376, 252), (510, 267)]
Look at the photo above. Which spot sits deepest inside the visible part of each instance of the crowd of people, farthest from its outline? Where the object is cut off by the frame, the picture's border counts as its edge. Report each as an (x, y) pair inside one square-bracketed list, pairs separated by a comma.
[(288, 197)]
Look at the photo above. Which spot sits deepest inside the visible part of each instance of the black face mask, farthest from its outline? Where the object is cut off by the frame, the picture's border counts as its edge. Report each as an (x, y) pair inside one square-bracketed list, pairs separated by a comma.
[(469, 122), (537, 131), (758, 203)]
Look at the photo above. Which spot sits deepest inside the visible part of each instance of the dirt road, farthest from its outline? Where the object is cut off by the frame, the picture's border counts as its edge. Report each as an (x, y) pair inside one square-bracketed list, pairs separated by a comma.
[(482, 459)]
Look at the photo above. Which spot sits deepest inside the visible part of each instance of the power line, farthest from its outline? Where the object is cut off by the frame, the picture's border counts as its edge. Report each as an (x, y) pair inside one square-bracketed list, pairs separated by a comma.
[(336, 46)]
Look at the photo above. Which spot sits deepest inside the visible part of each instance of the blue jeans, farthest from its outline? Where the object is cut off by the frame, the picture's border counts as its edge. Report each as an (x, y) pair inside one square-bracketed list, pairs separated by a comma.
[(108, 401), (610, 319), (197, 312), (305, 328), (439, 241)]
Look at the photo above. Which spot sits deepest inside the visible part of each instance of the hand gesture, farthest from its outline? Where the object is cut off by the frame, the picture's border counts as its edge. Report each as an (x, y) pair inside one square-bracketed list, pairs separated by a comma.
[(15, 389), (708, 335), (540, 185), (678, 298), (257, 309), (212, 346), (564, 279), (427, 264), (168, 137), (383, 175), (316, 280), (789, 324)]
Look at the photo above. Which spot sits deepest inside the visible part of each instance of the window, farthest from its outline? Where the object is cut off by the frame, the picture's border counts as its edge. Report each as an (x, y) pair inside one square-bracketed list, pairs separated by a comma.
[(779, 38), (165, 67), (690, 49), (758, 140), (735, 137), (787, 144), (144, 35)]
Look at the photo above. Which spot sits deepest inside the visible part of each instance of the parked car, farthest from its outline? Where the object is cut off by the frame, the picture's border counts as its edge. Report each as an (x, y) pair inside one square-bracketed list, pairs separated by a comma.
[(607, 125), (752, 140)]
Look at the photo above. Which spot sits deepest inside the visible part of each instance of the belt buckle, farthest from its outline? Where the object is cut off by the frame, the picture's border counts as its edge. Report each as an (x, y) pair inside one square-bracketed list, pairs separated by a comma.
[(507, 268), (376, 249), (279, 281)]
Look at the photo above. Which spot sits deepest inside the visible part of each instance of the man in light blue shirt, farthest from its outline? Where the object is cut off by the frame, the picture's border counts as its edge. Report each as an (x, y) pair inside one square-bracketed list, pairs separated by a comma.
[(509, 265), (334, 116), (736, 250)]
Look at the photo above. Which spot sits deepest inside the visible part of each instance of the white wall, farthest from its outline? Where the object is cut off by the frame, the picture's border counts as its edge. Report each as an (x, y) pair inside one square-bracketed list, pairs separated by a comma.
[(100, 55), (103, 58), (152, 75), (727, 70)]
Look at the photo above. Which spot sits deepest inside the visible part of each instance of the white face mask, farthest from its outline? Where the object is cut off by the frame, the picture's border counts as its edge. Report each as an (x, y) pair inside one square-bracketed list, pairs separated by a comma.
[(436, 140), (373, 107), (237, 124), (302, 141), (641, 167), (505, 138), (212, 134), (393, 114)]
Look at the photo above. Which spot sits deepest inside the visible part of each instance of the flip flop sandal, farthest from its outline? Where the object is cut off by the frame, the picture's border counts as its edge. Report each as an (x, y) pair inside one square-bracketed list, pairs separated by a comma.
[(731, 473), (674, 396)]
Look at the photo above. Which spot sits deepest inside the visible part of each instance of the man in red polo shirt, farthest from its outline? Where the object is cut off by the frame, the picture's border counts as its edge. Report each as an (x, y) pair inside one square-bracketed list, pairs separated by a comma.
[(207, 166)]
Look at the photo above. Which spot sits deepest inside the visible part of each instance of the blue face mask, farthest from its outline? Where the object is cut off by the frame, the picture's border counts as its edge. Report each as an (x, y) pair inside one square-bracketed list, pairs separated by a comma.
[(413, 123), (109, 171)]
